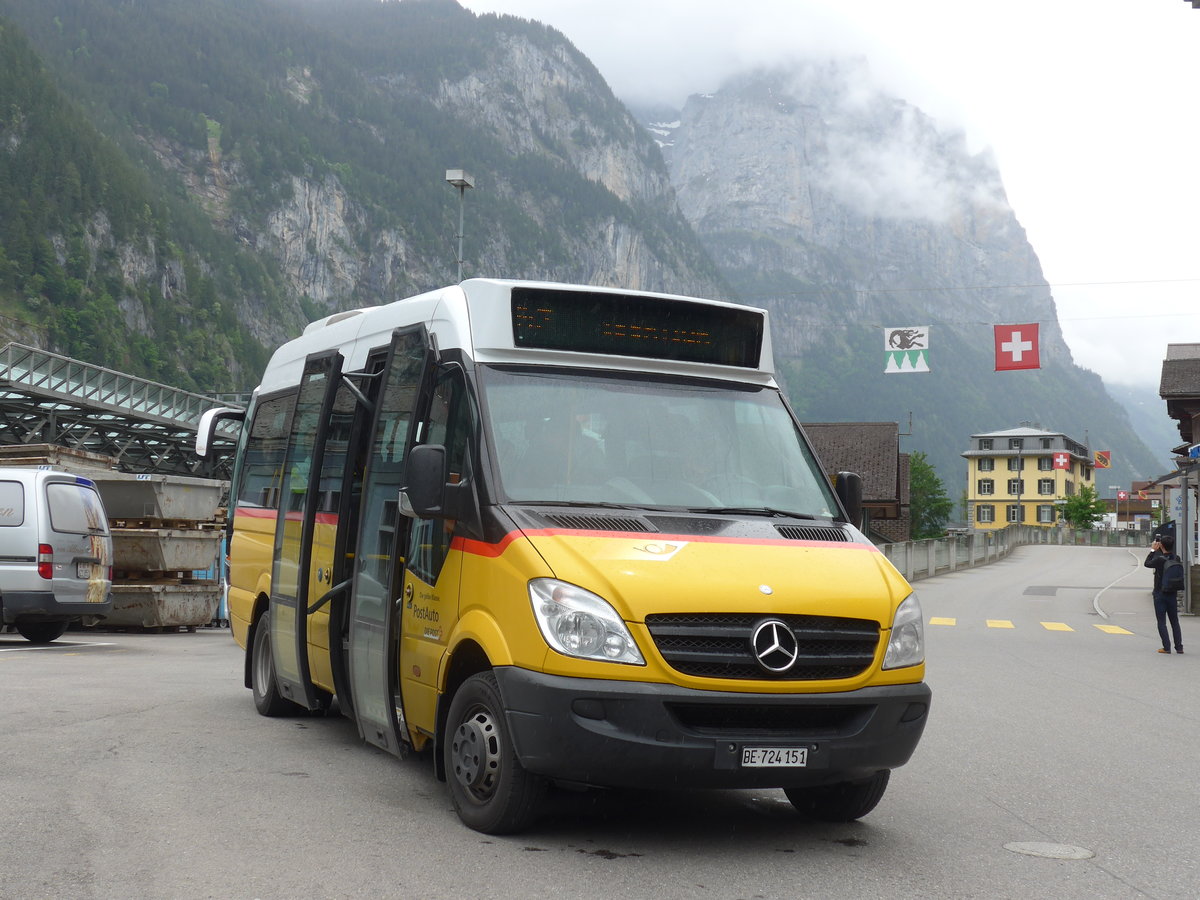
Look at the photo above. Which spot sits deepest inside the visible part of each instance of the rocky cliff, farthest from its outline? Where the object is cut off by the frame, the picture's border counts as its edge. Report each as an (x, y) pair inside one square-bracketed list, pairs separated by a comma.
[(844, 211)]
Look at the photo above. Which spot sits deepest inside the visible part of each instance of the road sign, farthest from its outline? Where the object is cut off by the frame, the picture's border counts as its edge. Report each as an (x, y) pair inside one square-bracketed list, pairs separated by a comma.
[(1194, 451)]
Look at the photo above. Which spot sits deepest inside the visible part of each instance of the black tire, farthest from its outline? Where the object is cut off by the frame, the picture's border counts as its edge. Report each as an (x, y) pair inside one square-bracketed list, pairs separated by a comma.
[(490, 789), (41, 632), (267, 699), (842, 802)]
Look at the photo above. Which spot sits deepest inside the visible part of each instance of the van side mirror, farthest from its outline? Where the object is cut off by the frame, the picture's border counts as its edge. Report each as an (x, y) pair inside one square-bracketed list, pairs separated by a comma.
[(848, 487), (425, 481)]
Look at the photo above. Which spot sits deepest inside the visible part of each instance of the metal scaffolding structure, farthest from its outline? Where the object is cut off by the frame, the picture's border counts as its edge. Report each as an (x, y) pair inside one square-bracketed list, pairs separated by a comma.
[(145, 427)]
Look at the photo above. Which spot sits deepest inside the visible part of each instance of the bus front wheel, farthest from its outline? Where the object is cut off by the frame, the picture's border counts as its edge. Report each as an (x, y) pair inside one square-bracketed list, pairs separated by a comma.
[(842, 802), (489, 787), (267, 699)]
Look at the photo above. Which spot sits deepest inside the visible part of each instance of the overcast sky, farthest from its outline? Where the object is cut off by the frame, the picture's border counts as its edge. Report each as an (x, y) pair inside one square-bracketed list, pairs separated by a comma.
[(1090, 107)]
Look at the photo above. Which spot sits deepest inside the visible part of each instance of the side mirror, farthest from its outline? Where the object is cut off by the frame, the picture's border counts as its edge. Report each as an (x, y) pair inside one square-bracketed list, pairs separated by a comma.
[(425, 480), (207, 426), (848, 487)]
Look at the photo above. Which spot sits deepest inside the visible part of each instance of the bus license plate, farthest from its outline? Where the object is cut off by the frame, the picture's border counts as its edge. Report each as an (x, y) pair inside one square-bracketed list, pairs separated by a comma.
[(763, 757)]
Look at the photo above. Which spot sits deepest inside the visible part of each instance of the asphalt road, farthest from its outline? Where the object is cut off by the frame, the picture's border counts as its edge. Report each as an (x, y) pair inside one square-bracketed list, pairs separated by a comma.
[(135, 766)]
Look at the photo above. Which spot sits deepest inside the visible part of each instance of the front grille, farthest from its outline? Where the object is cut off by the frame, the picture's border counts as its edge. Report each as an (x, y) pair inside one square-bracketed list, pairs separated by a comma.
[(718, 645)]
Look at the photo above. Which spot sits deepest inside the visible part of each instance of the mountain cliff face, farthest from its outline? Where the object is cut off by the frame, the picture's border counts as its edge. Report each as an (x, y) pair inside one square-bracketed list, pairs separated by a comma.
[(316, 136), (844, 212)]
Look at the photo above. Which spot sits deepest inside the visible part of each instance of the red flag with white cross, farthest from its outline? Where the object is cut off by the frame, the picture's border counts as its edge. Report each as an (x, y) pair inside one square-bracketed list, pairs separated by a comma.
[(1017, 347), (1062, 461)]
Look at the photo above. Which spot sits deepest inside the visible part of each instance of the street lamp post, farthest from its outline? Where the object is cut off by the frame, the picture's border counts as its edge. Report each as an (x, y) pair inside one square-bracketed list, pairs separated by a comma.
[(461, 180), (1116, 489)]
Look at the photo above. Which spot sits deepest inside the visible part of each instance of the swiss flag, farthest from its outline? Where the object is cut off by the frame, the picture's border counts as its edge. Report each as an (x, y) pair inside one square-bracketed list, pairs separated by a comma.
[(1017, 347), (1062, 461), (1122, 495)]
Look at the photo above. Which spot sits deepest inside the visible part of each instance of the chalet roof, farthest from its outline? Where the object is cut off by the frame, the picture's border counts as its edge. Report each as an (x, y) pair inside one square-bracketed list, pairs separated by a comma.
[(872, 449), (1180, 378), (1024, 431)]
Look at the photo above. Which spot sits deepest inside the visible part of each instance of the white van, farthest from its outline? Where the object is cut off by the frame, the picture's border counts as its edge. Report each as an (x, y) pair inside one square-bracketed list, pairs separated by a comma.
[(55, 552)]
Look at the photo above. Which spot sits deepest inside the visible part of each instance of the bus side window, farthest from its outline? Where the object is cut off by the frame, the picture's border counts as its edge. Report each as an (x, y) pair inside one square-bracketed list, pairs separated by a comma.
[(265, 450), (449, 424)]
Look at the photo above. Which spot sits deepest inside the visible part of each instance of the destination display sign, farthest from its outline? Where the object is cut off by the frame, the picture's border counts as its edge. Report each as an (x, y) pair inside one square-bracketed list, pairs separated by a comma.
[(634, 325)]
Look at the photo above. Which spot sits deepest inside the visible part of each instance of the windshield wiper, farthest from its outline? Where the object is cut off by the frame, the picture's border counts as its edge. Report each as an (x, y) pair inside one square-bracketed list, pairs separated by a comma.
[(753, 511), (598, 504)]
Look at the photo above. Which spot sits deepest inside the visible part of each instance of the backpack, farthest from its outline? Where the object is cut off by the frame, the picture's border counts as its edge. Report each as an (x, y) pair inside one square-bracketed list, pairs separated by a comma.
[(1172, 575)]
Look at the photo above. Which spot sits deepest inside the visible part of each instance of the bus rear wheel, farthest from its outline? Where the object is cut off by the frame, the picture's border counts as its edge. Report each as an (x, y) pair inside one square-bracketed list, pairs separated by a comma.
[(842, 802), (491, 791), (267, 699)]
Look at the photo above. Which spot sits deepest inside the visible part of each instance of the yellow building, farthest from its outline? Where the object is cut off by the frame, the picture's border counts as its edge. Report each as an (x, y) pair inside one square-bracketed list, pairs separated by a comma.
[(1021, 476)]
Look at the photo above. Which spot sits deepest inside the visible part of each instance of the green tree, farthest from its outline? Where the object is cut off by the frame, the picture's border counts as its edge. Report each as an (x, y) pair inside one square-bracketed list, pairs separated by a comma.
[(928, 505), (1085, 509)]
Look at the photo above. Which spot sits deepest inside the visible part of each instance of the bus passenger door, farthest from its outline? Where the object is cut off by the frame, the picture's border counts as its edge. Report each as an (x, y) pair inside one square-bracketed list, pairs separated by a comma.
[(296, 527), (382, 536)]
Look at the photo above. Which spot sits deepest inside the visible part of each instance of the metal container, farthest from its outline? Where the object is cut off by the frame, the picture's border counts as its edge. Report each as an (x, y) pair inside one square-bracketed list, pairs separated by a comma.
[(164, 549), (164, 605), (161, 497)]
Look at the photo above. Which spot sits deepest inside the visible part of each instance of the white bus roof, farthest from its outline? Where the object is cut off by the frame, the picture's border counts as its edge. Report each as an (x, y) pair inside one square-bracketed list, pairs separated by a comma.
[(476, 317)]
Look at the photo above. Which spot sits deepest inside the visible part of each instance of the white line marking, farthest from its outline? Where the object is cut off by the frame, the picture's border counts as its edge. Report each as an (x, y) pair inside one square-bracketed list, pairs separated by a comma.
[(1096, 599)]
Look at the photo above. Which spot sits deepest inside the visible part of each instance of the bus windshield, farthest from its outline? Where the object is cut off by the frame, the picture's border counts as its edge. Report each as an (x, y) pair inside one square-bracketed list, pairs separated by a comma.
[(588, 438)]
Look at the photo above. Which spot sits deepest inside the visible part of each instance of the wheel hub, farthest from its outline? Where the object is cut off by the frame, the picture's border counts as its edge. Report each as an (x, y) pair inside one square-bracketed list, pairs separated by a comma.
[(475, 753)]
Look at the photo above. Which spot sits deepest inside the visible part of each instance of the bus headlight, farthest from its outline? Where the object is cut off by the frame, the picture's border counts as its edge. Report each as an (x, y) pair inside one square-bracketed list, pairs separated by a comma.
[(577, 623), (906, 644)]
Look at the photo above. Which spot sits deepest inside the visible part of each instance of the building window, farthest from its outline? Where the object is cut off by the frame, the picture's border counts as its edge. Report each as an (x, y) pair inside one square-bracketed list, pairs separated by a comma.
[(1047, 443), (1016, 464), (1069, 488), (985, 486), (1045, 463), (985, 443), (1045, 485), (1016, 485), (1015, 513), (1046, 515), (985, 513), (987, 465), (1016, 443)]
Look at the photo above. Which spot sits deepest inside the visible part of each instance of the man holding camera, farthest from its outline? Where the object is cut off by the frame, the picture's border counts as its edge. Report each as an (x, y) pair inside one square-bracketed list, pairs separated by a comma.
[(1166, 606)]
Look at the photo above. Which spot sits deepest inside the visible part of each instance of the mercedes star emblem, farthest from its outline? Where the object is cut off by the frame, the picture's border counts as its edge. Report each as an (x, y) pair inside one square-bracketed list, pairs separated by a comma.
[(774, 645)]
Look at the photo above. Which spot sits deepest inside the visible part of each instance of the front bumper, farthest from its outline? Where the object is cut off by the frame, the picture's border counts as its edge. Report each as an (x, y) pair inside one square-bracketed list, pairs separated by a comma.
[(643, 735)]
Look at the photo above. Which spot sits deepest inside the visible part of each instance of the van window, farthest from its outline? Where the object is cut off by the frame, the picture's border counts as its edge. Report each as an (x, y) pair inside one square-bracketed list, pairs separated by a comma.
[(75, 509), (262, 461), (448, 423), (12, 503)]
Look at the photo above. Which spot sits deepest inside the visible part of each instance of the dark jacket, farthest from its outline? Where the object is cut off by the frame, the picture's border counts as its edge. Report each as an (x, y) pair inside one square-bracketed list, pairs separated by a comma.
[(1155, 560)]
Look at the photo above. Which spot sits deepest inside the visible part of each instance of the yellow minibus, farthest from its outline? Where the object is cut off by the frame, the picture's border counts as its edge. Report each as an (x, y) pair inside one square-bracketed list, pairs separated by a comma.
[(558, 534)]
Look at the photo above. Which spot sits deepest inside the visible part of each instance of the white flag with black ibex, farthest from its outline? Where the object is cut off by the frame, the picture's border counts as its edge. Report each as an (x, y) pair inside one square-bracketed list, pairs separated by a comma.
[(907, 349)]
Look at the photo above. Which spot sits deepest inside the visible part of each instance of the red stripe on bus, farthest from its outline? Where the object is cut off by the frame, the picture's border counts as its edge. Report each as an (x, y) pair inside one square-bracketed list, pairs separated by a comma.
[(483, 548), (262, 512)]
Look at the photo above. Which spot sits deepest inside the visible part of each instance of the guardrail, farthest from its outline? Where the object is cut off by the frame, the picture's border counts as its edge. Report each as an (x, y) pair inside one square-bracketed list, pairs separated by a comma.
[(921, 559)]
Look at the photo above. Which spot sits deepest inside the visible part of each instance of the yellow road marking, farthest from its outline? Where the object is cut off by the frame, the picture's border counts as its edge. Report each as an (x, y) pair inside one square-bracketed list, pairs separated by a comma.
[(941, 620), (1057, 626), (1113, 629), (999, 623)]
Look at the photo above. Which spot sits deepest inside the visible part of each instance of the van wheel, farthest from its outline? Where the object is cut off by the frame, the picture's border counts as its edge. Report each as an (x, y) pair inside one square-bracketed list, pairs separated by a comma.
[(267, 699), (489, 787), (842, 802), (41, 632)]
